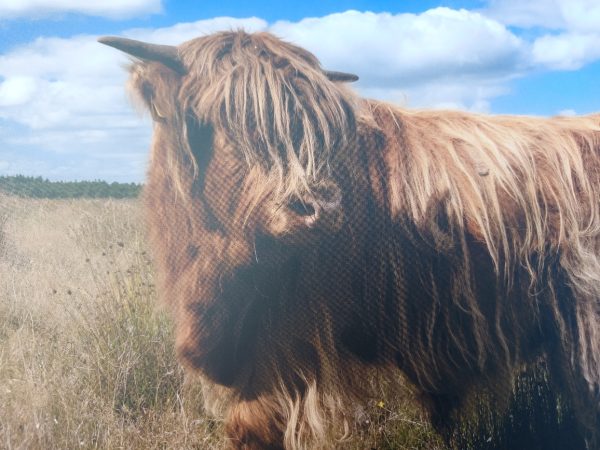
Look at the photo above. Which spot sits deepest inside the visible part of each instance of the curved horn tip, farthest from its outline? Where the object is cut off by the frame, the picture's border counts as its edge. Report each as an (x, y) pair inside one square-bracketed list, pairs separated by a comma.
[(341, 76), (106, 39), (166, 54), (111, 41)]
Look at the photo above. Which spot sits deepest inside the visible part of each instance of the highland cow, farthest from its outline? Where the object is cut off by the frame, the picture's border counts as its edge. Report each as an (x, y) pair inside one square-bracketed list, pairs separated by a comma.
[(307, 239)]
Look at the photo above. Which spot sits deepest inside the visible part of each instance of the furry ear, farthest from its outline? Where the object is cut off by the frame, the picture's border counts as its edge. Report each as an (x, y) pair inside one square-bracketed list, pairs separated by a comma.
[(155, 86), (150, 79)]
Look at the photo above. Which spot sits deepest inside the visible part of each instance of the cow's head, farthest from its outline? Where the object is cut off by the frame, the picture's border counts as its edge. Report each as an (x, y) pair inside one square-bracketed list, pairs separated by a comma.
[(255, 124)]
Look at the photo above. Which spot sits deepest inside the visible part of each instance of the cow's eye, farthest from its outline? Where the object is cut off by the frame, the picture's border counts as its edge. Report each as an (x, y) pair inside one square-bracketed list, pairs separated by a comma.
[(200, 140)]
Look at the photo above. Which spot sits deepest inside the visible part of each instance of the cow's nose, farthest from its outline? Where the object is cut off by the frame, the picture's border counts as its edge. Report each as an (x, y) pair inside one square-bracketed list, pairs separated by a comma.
[(305, 208), (322, 207)]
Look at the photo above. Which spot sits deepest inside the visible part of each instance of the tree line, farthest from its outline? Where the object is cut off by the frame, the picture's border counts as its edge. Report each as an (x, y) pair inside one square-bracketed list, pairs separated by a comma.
[(38, 187)]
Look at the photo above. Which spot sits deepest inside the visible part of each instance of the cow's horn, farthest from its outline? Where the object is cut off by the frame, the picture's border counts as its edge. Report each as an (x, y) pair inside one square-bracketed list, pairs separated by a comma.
[(165, 54), (340, 76)]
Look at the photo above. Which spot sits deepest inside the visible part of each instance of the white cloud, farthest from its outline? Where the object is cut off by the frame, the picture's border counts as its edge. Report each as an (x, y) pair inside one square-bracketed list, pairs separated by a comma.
[(473, 95), (17, 90), (527, 14), (567, 51), (573, 15), (408, 49), (116, 9), (570, 34), (581, 15), (63, 83)]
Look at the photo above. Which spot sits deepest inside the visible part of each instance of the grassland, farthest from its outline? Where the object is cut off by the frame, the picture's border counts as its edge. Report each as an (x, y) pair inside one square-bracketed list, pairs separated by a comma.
[(86, 356)]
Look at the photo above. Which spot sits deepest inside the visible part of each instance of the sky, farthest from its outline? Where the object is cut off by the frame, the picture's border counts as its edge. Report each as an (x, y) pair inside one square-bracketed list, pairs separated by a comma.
[(65, 114)]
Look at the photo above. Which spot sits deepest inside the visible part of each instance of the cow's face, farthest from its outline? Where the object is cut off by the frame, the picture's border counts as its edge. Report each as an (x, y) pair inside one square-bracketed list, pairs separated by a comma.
[(255, 198), (261, 127)]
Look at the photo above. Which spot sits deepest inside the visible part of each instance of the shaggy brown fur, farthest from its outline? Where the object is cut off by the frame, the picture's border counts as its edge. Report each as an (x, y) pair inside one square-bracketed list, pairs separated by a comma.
[(306, 238)]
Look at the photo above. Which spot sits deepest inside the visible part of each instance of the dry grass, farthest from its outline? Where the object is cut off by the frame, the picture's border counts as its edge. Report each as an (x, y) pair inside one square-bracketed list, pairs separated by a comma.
[(86, 358)]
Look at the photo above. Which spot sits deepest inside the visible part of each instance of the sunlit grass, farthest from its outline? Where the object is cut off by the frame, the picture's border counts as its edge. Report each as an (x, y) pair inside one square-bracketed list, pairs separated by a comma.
[(86, 357)]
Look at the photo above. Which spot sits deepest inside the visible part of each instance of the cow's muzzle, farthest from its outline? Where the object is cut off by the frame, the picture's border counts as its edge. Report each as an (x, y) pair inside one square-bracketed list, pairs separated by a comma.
[(319, 210), (303, 216)]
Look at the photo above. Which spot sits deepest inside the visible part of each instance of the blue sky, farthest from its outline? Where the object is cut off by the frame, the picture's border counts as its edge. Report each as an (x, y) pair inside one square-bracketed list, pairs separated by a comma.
[(64, 113)]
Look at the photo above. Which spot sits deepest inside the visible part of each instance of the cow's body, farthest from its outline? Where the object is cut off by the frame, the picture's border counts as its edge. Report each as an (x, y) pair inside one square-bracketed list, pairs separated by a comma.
[(452, 247)]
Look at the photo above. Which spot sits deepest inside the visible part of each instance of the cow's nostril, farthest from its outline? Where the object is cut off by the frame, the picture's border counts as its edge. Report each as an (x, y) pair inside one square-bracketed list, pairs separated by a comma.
[(301, 208), (330, 195)]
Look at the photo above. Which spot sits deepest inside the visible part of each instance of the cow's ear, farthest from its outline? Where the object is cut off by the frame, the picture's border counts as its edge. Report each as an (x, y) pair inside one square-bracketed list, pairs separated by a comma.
[(155, 86)]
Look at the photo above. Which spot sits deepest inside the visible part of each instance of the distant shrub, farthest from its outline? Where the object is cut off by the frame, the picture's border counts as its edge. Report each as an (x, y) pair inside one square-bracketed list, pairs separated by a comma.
[(38, 187)]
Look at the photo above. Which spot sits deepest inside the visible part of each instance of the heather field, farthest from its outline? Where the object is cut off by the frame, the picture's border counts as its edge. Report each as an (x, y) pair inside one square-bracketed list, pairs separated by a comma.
[(86, 354)]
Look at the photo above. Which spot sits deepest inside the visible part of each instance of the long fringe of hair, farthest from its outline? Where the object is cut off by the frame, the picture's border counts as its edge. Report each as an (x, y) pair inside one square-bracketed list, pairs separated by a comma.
[(273, 100)]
